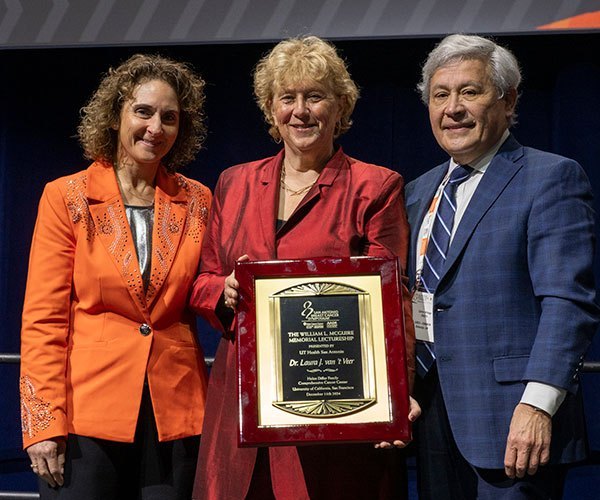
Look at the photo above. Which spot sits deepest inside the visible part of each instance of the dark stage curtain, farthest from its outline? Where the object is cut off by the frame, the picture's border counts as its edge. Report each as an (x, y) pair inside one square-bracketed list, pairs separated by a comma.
[(41, 92)]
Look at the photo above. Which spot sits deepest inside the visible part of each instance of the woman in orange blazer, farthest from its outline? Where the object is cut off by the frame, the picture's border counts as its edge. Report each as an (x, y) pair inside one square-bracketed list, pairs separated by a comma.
[(310, 200), (113, 380)]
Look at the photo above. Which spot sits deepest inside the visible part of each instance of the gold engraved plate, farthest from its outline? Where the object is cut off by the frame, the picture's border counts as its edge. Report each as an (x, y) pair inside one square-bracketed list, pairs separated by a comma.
[(323, 349)]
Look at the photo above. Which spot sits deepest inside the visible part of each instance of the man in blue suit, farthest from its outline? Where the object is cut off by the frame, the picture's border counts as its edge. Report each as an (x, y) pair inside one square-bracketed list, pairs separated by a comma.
[(505, 304)]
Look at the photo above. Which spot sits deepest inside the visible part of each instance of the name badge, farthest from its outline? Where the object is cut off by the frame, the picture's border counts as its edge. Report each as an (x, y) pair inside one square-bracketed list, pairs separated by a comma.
[(422, 309)]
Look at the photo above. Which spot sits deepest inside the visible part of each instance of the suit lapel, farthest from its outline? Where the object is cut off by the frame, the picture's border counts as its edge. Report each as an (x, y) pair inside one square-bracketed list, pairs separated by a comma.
[(268, 199), (112, 228), (170, 216), (418, 203), (498, 175)]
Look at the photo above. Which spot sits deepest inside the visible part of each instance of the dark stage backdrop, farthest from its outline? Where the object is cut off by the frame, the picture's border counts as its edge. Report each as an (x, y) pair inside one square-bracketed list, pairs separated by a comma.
[(41, 91)]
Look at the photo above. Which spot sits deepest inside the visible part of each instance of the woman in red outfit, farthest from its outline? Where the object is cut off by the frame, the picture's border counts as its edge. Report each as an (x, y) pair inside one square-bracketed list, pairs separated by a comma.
[(309, 200)]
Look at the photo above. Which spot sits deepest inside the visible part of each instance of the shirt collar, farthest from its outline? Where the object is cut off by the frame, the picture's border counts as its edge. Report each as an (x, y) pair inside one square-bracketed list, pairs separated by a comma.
[(483, 162)]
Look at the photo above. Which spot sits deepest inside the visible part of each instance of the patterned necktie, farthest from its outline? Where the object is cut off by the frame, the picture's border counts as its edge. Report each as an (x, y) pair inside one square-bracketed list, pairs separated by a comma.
[(435, 255)]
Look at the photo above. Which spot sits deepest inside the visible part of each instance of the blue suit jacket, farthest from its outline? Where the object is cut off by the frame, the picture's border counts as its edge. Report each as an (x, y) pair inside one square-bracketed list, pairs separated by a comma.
[(516, 301)]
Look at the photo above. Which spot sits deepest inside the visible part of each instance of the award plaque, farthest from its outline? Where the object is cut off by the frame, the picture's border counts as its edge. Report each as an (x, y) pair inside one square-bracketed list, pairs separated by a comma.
[(321, 352)]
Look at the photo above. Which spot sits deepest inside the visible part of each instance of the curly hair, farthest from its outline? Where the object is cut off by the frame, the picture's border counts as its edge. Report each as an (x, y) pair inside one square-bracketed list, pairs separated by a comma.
[(99, 116), (302, 59)]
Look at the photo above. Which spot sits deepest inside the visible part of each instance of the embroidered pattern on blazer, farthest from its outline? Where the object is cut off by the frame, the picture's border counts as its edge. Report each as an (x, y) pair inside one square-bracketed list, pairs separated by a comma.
[(36, 415), (198, 209), (78, 205)]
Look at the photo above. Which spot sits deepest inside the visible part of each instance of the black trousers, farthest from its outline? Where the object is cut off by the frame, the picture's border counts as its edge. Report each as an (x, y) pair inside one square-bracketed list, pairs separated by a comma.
[(444, 474), (145, 469)]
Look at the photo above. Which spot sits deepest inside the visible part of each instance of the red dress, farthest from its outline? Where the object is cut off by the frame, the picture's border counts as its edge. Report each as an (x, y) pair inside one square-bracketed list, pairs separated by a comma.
[(353, 209)]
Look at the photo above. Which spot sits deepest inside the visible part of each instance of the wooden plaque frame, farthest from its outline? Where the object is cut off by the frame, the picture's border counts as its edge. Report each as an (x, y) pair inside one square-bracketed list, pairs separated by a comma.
[(321, 352)]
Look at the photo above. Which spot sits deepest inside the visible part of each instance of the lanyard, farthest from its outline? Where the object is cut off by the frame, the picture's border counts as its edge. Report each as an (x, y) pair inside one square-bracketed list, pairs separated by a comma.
[(425, 233)]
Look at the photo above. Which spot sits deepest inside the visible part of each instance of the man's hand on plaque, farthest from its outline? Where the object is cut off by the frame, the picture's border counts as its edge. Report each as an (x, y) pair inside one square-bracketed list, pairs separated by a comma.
[(414, 412)]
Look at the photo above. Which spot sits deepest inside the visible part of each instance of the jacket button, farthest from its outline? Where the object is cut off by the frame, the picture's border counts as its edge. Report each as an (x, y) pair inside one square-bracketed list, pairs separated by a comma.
[(145, 329)]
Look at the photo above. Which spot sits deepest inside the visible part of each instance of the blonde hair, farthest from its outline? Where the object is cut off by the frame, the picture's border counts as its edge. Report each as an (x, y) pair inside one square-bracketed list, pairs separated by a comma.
[(96, 130), (304, 59)]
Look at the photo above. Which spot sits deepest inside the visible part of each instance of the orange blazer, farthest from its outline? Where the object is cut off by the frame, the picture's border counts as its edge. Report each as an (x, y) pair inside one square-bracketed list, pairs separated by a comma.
[(91, 334)]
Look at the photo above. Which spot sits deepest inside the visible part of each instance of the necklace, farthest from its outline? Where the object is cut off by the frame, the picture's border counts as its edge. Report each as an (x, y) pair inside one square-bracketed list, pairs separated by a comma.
[(288, 189), (129, 193), (147, 202)]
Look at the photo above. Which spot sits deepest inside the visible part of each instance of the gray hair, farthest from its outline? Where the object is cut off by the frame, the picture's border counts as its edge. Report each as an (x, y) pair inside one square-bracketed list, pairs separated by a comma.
[(503, 65)]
